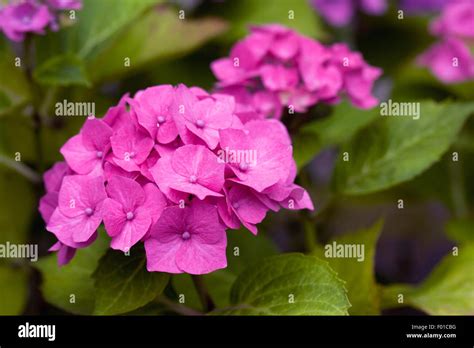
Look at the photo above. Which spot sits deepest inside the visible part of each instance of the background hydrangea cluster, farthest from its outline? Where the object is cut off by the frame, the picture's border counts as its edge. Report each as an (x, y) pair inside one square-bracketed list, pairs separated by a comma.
[(18, 18), (275, 68), (341, 12), (451, 59), (173, 167)]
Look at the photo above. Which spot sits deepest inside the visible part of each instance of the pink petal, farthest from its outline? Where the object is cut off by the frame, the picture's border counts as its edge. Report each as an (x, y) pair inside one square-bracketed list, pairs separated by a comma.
[(202, 222), (131, 233), (271, 144), (81, 159), (131, 147), (65, 253), (117, 116), (286, 46), (252, 49), (170, 224), (228, 217), (164, 176), (278, 77), (73, 231), (155, 202), (47, 205), (152, 107), (298, 200), (198, 161), (310, 60), (161, 256), (213, 115), (114, 217), (246, 206), (111, 170), (196, 258), (80, 192), (53, 177), (125, 191), (96, 135), (225, 70)]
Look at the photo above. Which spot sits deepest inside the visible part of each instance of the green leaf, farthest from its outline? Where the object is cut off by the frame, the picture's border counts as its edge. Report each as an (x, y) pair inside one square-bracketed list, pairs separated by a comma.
[(461, 230), (243, 249), (288, 284), (358, 275), (92, 29), (65, 70), (340, 126), (153, 38), (415, 83), (150, 309), (446, 291), (14, 88), (17, 137), (396, 149), (16, 207), (74, 279), (123, 283), (52, 139), (86, 35), (13, 291), (245, 13)]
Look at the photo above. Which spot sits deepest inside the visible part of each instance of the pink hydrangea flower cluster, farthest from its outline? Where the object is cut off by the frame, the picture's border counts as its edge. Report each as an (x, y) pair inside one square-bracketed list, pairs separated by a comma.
[(20, 17), (340, 13), (275, 67), (451, 59), (172, 167)]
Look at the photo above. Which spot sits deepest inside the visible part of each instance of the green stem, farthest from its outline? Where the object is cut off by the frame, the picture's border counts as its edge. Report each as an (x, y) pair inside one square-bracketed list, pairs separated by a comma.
[(389, 295), (458, 196), (22, 169), (309, 226), (36, 100), (310, 235), (204, 296), (49, 98), (176, 307)]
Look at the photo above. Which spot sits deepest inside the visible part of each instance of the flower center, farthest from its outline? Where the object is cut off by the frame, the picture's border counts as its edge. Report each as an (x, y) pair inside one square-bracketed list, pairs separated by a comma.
[(186, 235), (200, 123), (26, 19), (243, 166), (160, 119), (88, 211), (130, 215), (192, 179), (132, 154), (235, 205), (99, 154)]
